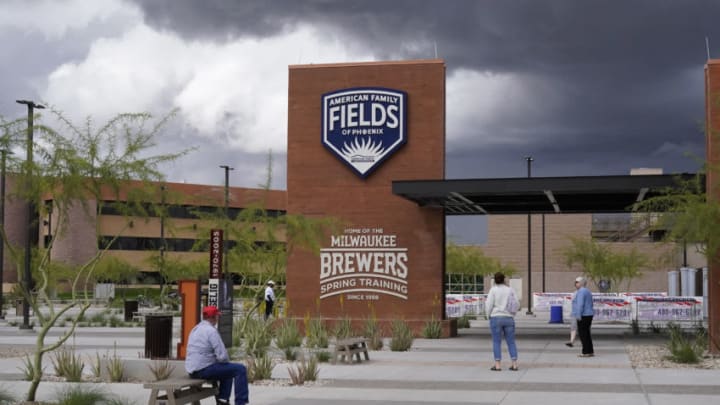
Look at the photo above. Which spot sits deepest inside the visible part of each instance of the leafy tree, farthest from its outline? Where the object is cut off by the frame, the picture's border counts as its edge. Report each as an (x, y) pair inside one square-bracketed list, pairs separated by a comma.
[(262, 243), (470, 260), (78, 167), (687, 215), (172, 269), (599, 262)]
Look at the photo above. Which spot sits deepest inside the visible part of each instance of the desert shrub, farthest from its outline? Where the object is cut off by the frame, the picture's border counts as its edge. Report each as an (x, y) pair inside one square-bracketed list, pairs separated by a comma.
[(98, 318), (96, 365), (79, 394), (115, 367), (317, 334), (432, 328), (304, 371), (288, 337), (343, 328), (161, 369), (114, 321), (67, 364), (373, 333), (684, 347), (27, 369), (259, 368), (402, 336), (322, 356), (257, 338), (6, 398)]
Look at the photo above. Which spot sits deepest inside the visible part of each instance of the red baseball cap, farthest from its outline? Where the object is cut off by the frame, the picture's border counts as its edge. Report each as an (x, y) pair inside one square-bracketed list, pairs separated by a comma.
[(211, 311)]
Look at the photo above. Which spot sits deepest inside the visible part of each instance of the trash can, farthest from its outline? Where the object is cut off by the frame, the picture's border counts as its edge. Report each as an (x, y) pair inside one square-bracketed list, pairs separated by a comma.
[(158, 336), (131, 307), (556, 315)]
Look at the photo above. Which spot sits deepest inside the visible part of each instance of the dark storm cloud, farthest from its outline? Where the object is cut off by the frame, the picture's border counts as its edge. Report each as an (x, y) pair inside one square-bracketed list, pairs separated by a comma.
[(538, 36), (625, 77)]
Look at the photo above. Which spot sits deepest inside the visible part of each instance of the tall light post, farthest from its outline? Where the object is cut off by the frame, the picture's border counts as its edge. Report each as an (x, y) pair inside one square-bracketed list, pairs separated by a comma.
[(163, 242), (4, 152), (27, 276), (227, 216), (529, 160)]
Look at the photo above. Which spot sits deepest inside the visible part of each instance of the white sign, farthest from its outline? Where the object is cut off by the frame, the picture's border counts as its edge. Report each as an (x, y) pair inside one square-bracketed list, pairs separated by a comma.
[(611, 309), (668, 308), (453, 305), (543, 301), (457, 305), (214, 292), (364, 263)]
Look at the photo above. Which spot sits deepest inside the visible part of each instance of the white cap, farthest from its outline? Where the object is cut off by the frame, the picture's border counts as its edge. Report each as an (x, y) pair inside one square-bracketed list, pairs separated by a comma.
[(581, 280), (270, 282)]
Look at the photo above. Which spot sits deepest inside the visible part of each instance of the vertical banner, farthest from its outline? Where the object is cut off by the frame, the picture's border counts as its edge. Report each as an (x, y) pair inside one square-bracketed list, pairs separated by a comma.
[(213, 292), (216, 252), (220, 290), (225, 303)]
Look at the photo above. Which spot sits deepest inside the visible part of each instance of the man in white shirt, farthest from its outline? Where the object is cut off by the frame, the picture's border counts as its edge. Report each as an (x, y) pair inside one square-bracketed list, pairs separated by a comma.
[(269, 298), (208, 359)]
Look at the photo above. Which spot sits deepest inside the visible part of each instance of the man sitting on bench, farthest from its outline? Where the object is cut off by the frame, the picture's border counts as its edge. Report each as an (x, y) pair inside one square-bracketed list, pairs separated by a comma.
[(208, 359)]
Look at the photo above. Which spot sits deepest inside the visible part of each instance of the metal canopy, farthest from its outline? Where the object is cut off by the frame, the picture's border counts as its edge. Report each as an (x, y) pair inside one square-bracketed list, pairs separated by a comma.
[(569, 195)]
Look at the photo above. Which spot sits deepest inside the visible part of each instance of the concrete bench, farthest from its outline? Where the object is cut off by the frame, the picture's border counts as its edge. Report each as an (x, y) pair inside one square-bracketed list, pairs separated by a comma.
[(178, 391), (347, 348)]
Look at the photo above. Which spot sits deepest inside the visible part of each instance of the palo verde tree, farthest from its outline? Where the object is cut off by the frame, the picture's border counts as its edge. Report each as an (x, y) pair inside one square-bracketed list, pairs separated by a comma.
[(687, 216), (78, 168), (262, 240), (599, 262), (173, 268), (471, 261), (684, 215)]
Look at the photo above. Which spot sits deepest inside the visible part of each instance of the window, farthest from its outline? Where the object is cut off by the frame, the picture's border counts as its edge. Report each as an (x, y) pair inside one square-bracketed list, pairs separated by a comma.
[(465, 284)]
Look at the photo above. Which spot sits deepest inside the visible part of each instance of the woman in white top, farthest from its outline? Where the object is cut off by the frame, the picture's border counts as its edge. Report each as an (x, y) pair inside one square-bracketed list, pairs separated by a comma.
[(502, 322)]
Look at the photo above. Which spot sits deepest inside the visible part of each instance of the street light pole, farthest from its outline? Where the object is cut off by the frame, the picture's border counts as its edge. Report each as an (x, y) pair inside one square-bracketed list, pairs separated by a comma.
[(4, 152), (529, 160), (227, 217), (27, 276), (163, 242)]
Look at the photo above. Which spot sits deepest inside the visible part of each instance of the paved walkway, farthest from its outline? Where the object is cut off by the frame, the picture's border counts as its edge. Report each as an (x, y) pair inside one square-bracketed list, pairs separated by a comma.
[(447, 371)]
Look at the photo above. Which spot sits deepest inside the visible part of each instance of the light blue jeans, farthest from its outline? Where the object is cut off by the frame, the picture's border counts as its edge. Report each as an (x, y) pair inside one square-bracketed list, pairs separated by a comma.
[(499, 326)]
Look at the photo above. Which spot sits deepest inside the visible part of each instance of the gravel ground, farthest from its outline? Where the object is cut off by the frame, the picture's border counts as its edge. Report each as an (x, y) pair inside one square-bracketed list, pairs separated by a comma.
[(11, 351), (655, 356)]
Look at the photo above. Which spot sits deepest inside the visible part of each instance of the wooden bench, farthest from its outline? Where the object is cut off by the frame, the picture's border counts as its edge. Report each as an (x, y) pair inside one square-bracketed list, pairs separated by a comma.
[(178, 391), (347, 348)]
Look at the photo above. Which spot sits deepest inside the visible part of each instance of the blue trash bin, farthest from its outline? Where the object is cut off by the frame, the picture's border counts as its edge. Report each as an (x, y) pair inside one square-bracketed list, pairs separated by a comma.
[(556, 315)]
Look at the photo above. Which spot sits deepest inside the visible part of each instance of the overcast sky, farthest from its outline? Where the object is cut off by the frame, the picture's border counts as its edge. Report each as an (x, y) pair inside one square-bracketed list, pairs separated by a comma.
[(585, 87)]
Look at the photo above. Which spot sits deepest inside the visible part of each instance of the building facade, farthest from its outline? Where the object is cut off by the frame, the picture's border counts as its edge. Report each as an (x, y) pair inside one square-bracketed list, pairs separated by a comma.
[(551, 235), (93, 226)]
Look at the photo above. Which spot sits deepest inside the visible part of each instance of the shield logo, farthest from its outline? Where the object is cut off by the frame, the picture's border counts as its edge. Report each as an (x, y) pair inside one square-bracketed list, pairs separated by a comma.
[(364, 126)]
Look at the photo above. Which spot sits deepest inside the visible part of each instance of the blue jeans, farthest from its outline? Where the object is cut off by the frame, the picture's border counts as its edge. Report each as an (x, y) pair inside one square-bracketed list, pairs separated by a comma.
[(226, 374), (499, 326)]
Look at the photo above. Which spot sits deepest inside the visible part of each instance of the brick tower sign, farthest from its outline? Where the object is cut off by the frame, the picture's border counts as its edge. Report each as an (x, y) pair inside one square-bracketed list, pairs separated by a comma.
[(352, 130)]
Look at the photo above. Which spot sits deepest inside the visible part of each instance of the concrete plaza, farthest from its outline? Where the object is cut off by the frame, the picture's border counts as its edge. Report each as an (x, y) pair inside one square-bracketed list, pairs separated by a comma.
[(445, 371)]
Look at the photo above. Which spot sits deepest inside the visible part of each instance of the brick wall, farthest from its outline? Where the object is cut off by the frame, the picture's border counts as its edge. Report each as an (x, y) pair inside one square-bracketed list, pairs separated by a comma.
[(319, 185)]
